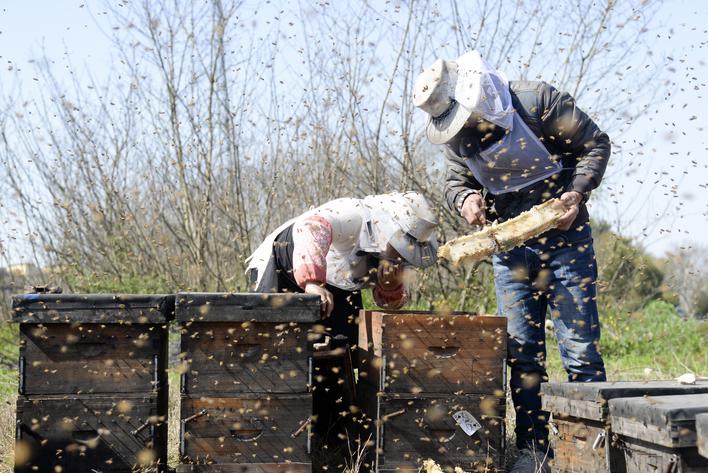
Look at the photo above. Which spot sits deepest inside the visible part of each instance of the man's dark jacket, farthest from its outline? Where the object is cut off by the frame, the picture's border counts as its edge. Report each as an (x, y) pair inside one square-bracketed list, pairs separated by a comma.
[(567, 133)]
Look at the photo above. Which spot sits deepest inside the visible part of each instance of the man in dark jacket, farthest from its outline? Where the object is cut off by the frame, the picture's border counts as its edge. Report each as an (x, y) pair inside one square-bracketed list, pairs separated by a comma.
[(510, 146)]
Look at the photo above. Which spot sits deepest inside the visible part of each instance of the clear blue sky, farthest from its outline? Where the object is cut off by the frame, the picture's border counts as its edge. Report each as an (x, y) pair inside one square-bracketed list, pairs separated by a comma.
[(674, 137)]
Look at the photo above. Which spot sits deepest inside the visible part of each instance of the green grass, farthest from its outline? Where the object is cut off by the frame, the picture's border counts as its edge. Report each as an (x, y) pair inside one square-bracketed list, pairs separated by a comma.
[(654, 343)]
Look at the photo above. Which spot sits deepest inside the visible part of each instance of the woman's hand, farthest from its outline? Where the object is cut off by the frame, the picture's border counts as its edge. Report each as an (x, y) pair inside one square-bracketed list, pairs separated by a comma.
[(325, 296)]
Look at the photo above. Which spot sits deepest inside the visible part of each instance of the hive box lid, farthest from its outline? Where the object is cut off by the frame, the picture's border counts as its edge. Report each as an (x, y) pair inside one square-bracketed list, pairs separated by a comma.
[(702, 432), (92, 308), (664, 420), (589, 400), (236, 307)]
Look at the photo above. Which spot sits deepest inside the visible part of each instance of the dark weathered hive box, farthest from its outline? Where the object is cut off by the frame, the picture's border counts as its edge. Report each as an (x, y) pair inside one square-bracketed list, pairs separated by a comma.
[(247, 370), (92, 343), (702, 432), (246, 343), (410, 429), (658, 433), (90, 433), (418, 369), (580, 429), (93, 381)]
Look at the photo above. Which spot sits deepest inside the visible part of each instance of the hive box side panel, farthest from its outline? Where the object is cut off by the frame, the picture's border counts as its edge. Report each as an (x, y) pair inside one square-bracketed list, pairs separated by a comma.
[(579, 445), (90, 432), (265, 429), (646, 457), (424, 352), (411, 430), (245, 357), (92, 358)]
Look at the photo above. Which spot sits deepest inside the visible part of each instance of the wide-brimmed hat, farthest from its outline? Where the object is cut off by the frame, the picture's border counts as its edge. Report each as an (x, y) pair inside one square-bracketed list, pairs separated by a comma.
[(407, 222), (451, 91)]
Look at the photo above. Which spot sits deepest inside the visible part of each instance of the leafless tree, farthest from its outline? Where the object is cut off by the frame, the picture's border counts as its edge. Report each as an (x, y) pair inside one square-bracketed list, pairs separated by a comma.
[(221, 119)]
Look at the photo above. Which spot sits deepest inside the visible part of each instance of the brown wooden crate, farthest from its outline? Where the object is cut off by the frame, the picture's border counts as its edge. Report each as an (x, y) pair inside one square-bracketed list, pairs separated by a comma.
[(93, 308), (247, 468), (702, 432), (92, 358), (255, 429), (410, 429), (238, 307), (424, 352), (245, 357), (89, 433), (579, 446)]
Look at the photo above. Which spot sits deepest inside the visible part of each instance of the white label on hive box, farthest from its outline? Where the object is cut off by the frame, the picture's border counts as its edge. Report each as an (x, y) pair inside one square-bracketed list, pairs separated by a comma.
[(467, 422)]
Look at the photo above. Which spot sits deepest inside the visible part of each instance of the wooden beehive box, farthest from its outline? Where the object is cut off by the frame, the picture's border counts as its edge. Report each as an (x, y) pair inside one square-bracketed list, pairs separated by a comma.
[(92, 370), (580, 429), (247, 369), (702, 433), (417, 370), (107, 433), (658, 433)]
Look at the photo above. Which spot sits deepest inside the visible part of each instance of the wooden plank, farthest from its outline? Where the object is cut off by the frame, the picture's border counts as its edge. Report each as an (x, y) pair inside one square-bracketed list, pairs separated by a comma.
[(254, 429), (562, 407), (425, 352), (92, 358), (579, 446), (663, 420), (598, 391), (702, 434), (240, 357), (247, 468), (238, 307), (92, 308), (81, 433)]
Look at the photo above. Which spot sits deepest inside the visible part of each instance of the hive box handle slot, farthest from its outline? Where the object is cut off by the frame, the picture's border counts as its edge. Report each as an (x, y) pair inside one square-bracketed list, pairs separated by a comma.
[(246, 435), (85, 436), (444, 352)]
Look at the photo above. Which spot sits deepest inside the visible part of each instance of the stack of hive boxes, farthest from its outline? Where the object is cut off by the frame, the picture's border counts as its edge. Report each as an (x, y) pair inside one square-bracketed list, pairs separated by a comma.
[(433, 387), (93, 385), (583, 432), (247, 368)]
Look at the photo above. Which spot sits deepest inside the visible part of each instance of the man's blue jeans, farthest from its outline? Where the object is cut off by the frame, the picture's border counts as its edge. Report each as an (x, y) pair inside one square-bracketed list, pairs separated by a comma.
[(557, 273)]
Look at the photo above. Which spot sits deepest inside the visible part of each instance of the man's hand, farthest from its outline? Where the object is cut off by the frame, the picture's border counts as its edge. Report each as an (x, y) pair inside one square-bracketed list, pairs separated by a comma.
[(570, 201), (326, 297), (473, 210)]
